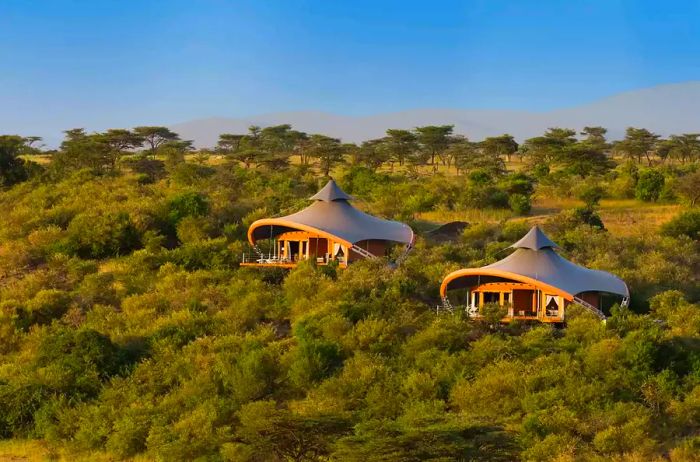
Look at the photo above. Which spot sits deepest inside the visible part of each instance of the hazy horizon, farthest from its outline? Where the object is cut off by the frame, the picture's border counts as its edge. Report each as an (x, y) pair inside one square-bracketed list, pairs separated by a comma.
[(120, 64)]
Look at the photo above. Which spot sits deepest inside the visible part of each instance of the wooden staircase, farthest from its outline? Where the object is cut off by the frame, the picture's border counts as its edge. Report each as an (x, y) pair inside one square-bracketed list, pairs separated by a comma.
[(590, 308)]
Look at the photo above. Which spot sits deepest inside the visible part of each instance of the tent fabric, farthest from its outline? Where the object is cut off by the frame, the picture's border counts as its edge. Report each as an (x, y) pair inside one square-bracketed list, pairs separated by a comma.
[(535, 239), (535, 259), (332, 214), (331, 192), (551, 268)]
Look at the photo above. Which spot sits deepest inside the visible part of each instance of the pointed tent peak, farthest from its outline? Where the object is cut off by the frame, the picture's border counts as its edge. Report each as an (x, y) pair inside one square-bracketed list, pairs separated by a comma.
[(331, 192), (535, 239)]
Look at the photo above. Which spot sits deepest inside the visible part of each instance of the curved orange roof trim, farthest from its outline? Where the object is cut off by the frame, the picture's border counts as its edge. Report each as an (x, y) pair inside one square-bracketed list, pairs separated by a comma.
[(503, 274), (290, 224)]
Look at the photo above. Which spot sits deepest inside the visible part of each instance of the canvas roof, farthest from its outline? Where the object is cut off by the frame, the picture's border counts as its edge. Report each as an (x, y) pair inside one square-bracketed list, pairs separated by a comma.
[(331, 192), (331, 215), (535, 239), (535, 261)]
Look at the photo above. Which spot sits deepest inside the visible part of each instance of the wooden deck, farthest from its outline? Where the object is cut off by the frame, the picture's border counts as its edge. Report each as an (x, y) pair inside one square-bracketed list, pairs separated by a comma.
[(270, 265)]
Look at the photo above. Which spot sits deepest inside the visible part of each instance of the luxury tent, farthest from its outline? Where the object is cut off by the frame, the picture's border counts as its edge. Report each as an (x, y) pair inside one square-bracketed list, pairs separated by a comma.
[(535, 282), (330, 229)]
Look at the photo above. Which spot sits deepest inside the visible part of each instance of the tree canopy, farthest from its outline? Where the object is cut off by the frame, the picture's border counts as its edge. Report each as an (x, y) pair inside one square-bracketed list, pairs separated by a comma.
[(130, 331)]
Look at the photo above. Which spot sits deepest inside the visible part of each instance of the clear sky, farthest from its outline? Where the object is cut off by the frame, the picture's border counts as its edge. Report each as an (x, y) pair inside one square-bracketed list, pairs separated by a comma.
[(114, 63)]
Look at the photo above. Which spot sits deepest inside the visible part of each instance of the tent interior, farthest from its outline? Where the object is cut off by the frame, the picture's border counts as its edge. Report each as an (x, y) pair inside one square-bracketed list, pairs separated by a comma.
[(522, 300), (286, 246), (534, 282), (329, 230)]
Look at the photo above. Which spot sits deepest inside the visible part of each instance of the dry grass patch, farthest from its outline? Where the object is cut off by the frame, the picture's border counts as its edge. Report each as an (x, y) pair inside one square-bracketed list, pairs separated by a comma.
[(626, 217), (468, 215), (38, 450)]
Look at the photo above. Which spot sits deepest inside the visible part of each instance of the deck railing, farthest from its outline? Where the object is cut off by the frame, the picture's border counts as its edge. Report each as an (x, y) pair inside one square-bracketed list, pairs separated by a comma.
[(272, 259), (263, 258), (590, 308)]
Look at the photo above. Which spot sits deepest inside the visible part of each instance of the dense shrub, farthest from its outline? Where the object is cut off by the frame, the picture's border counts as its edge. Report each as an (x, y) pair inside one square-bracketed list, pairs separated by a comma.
[(13, 169), (685, 224), (649, 185), (520, 204), (127, 328), (188, 204), (99, 235)]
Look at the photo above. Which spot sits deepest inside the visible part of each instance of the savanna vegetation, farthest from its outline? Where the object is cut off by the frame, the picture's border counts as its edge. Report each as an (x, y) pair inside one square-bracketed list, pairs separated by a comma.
[(128, 331)]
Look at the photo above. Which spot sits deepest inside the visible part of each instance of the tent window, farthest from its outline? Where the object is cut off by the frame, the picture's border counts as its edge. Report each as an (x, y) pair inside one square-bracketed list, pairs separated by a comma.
[(551, 305), (492, 297)]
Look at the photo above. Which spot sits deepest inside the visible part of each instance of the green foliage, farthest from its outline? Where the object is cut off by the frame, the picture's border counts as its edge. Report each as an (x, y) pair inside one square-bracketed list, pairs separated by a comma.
[(520, 204), (493, 313), (685, 224), (13, 169), (576, 217), (94, 235), (188, 204), (128, 328), (154, 137), (591, 195), (649, 185), (271, 433)]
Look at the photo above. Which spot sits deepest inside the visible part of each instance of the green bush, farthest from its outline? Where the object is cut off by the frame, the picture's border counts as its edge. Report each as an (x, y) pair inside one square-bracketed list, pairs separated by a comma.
[(685, 224), (649, 185), (520, 204), (100, 235), (13, 169), (173, 352), (188, 204)]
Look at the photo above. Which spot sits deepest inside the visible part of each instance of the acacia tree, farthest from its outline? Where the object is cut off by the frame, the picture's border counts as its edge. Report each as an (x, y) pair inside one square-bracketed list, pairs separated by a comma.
[(229, 143), (689, 187), (504, 145), (400, 145), (327, 150), (271, 146), (585, 158), (156, 136), (434, 140), (638, 143), (469, 156), (249, 150), (12, 167), (371, 154), (277, 144), (280, 434), (550, 147), (82, 150), (29, 147), (119, 140), (595, 136), (685, 147)]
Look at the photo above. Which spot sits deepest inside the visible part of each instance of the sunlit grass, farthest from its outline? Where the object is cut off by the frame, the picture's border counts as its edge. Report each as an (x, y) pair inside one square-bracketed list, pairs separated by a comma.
[(628, 217), (472, 215), (38, 450), (41, 159), (620, 216)]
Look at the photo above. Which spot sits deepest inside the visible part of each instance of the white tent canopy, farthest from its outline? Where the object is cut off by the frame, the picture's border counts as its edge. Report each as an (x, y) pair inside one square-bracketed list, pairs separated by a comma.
[(535, 260), (331, 214)]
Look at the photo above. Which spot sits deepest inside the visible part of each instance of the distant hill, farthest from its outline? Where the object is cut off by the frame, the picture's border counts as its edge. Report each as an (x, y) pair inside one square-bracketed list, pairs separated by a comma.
[(665, 109)]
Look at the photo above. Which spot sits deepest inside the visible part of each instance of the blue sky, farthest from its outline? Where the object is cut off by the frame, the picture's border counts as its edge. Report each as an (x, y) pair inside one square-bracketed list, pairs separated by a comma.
[(109, 63)]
